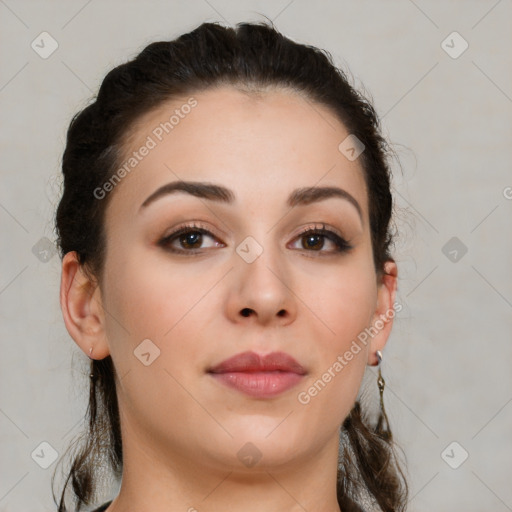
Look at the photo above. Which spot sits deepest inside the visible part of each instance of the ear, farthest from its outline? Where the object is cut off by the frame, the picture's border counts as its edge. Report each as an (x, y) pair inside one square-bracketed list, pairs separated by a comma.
[(80, 301), (382, 320)]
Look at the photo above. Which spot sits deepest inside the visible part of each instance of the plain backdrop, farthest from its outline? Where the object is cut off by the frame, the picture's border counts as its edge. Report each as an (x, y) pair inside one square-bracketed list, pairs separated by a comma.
[(440, 76)]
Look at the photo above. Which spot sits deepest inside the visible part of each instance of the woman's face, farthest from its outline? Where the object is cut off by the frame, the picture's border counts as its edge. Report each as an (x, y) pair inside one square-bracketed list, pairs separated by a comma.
[(242, 278)]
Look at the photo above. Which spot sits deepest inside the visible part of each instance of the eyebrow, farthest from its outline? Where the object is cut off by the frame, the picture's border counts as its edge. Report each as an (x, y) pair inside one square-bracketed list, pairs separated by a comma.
[(212, 192)]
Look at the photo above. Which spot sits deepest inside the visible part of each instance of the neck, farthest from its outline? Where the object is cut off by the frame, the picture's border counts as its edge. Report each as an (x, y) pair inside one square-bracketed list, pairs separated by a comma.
[(160, 480)]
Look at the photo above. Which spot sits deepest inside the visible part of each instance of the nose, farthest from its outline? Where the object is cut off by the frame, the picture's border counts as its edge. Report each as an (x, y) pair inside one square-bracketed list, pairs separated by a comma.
[(261, 292)]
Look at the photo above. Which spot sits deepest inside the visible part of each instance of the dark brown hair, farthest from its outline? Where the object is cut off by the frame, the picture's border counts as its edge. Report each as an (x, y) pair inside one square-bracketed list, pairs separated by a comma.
[(251, 57)]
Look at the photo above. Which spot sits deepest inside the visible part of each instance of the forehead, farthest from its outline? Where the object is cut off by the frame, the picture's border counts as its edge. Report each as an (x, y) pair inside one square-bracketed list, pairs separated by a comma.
[(259, 145)]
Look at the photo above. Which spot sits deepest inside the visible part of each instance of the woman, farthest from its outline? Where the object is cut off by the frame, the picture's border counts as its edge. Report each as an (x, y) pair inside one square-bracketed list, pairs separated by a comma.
[(224, 234)]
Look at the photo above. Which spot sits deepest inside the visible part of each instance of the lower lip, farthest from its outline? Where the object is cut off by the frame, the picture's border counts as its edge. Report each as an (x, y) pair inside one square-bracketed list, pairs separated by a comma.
[(259, 384)]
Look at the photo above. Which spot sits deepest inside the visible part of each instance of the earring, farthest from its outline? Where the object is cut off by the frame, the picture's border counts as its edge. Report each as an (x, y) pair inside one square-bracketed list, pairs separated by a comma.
[(384, 432), (91, 375)]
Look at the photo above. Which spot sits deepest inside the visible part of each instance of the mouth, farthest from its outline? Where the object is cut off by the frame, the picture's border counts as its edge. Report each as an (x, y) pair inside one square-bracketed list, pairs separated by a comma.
[(259, 376)]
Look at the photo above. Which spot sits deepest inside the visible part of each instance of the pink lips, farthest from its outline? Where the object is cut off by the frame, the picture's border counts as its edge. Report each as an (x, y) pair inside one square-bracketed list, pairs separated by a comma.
[(259, 376)]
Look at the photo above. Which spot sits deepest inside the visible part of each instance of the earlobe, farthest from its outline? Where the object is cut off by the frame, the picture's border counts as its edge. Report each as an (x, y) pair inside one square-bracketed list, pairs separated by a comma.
[(82, 310), (382, 321)]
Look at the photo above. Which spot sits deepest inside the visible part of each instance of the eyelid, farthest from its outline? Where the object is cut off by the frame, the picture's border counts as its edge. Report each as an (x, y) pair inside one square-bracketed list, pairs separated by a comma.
[(320, 226), (332, 234), (192, 225)]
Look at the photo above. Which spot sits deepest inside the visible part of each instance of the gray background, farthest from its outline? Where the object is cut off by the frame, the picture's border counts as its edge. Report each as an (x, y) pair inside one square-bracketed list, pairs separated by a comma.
[(448, 362)]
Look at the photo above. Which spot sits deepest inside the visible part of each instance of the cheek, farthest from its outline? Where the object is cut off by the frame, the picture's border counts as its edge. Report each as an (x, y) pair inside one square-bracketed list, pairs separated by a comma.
[(146, 303), (147, 298), (161, 303), (345, 306), (153, 301), (345, 302)]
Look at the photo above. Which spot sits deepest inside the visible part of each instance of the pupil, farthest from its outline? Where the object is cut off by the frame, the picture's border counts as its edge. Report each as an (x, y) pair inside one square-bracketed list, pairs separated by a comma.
[(312, 238), (189, 239)]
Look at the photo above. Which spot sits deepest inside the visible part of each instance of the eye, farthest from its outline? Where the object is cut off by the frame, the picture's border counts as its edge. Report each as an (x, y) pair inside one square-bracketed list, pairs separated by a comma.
[(190, 238), (313, 239)]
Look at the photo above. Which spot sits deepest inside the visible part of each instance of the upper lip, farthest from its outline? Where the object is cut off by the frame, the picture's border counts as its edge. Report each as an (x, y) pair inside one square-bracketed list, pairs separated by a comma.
[(253, 362)]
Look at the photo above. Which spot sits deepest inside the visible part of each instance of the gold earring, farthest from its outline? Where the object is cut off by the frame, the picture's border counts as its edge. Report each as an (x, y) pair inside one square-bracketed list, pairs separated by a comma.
[(386, 433)]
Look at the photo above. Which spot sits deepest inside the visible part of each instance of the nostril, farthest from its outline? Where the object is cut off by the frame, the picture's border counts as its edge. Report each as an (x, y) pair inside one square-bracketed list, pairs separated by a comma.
[(246, 312)]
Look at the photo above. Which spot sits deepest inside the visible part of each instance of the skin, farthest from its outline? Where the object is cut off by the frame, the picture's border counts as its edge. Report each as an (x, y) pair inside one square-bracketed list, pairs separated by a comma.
[(181, 429)]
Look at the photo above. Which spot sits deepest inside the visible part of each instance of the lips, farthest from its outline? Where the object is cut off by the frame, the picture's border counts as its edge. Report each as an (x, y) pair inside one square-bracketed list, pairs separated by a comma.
[(252, 362), (259, 376)]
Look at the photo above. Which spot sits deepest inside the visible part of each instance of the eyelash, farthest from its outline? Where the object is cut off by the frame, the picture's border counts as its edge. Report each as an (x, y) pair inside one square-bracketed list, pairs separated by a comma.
[(342, 245)]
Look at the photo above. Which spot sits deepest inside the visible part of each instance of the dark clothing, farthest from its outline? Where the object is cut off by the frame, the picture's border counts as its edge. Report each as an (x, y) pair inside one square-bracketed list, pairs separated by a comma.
[(103, 507)]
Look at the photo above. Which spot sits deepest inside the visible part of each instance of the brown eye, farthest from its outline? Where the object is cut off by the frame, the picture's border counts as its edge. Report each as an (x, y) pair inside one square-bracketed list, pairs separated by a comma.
[(188, 240), (314, 240), (191, 239)]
